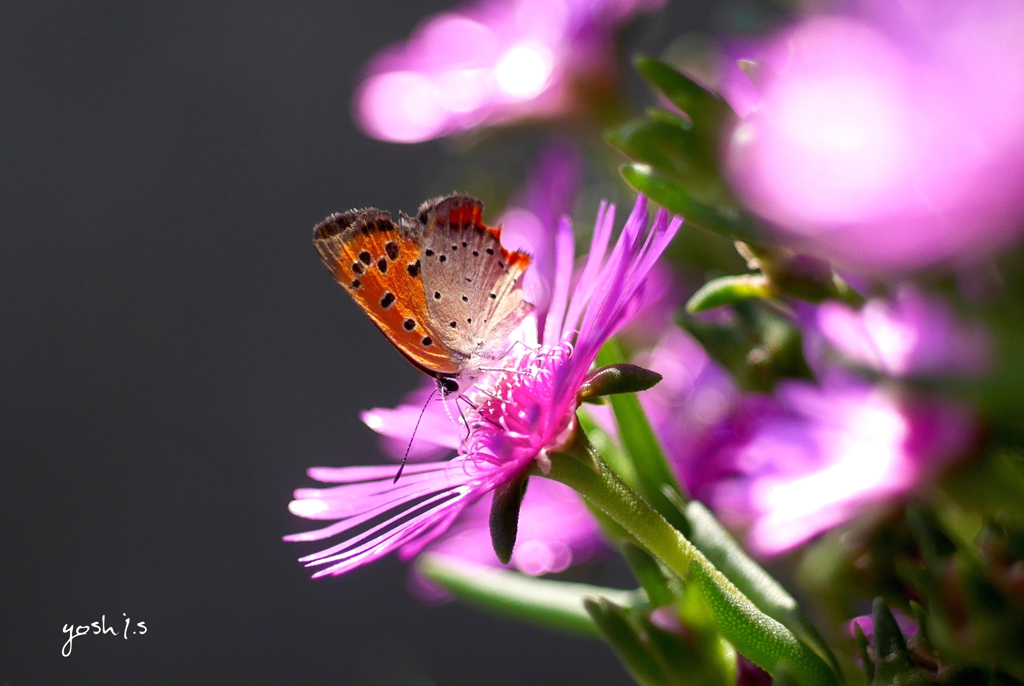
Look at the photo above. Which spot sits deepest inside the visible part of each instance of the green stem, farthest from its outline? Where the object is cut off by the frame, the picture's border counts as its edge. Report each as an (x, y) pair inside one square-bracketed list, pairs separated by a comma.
[(556, 604), (760, 638)]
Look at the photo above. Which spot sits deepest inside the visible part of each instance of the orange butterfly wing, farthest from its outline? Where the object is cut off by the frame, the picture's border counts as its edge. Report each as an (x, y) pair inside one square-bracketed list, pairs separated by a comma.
[(378, 262)]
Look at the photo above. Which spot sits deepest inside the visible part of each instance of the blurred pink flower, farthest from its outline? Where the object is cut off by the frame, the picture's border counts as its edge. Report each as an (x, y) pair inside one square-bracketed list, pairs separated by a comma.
[(788, 466), (891, 139), (908, 335), (813, 457), (518, 414), (489, 63)]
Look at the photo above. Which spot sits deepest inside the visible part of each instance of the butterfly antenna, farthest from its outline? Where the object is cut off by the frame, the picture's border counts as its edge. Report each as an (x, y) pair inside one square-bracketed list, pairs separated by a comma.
[(405, 458)]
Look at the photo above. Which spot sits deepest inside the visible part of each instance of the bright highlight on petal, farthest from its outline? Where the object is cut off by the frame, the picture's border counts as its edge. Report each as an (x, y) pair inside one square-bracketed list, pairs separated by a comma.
[(309, 509), (524, 70), (868, 463)]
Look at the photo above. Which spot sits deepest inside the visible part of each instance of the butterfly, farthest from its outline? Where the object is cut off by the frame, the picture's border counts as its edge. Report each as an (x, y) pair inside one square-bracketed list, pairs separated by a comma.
[(439, 285)]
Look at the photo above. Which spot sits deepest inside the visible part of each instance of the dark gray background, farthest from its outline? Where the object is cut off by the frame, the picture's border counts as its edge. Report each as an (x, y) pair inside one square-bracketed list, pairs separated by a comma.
[(173, 356)]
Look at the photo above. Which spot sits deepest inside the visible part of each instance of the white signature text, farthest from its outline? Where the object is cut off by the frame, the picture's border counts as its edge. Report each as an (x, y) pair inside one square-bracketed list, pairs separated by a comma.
[(101, 627)]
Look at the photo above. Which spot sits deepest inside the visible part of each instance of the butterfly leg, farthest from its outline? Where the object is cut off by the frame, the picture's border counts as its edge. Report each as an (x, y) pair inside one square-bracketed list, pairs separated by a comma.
[(462, 416)]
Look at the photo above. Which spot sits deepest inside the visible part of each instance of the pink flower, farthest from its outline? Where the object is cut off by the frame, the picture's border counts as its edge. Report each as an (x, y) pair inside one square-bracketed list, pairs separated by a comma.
[(493, 62), (891, 139), (814, 457), (909, 335), (519, 415)]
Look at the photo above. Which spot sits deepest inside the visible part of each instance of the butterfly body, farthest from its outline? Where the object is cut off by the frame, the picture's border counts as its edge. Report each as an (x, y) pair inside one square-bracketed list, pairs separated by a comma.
[(439, 285)]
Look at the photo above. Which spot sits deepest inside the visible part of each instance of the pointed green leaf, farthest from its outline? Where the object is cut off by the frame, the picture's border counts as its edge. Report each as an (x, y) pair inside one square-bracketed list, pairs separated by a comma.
[(726, 221), (625, 640), (660, 589), (642, 445), (923, 638), (708, 110), (656, 656), (801, 276), (665, 117), (893, 664), (554, 604), (759, 346), (727, 290), (867, 664), (762, 639), (701, 658), (666, 147), (607, 449), (751, 579)]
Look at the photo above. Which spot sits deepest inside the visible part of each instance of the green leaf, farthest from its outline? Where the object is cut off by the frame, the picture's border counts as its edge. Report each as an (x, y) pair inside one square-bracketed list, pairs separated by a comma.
[(867, 664), (764, 640), (759, 346), (554, 604), (893, 664), (665, 117), (923, 639), (656, 656), (607, 449), (638, 439), (668, 148), (727, 221), (726, 554), (708, 110), (660, 588), (624, 638), (727, 290), (801, 276)]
